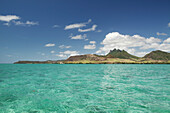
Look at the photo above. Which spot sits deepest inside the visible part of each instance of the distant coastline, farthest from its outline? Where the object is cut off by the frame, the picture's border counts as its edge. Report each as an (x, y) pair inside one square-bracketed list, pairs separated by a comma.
[(46, 62), (115, 56)]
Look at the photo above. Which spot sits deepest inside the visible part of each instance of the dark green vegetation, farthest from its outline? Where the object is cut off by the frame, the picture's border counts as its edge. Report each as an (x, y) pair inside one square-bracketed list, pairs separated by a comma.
[(116, 53), (115, 56), (158, 55)]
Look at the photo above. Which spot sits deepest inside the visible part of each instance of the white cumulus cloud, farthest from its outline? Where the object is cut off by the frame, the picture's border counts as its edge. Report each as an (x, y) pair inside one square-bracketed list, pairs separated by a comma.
[(64, 46), (133, 44), (164, 47), (89, 46), (29, 23), (149, 46), (169, 24), (52, 52), (69, 53), (8, 18), (49, 45), (167, 40), (78, 37), (152, 40), (14, 19), (62, 55), (141, 54), (161, 33), (93, 46), (92, 42), (90, 29), (77, 25)]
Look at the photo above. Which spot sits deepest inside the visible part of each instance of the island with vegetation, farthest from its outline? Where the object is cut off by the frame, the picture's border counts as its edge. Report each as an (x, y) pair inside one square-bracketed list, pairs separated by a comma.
[(115, 56)]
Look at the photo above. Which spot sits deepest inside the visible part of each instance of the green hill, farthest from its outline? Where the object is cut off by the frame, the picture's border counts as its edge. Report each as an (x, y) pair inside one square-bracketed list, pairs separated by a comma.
[(158, 55), (116, 53)]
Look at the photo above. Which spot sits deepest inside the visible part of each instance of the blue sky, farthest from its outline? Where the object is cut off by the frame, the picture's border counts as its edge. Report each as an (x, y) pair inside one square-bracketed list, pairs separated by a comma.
[(56, 29)]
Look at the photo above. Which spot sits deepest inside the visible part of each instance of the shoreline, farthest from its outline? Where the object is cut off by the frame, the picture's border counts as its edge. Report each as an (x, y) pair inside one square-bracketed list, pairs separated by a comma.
[(100, 63)]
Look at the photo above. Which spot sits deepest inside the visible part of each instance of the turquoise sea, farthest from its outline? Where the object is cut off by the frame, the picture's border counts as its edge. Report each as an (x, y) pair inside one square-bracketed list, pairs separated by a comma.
[(84, 88)]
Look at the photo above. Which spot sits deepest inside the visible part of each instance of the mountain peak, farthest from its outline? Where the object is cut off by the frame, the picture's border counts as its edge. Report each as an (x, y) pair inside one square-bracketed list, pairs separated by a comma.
[(117, 53), (116, 50)]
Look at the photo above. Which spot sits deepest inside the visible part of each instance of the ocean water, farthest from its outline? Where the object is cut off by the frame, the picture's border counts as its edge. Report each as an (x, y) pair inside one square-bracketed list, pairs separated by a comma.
[(84, 88)]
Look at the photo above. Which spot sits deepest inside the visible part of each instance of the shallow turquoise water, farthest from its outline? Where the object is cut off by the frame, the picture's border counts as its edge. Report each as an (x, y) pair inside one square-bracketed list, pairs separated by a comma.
[(84, 88)]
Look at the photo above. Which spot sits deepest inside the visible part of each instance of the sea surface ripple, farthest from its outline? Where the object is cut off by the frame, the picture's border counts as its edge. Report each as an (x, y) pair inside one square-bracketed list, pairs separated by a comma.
[(84, 88)]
